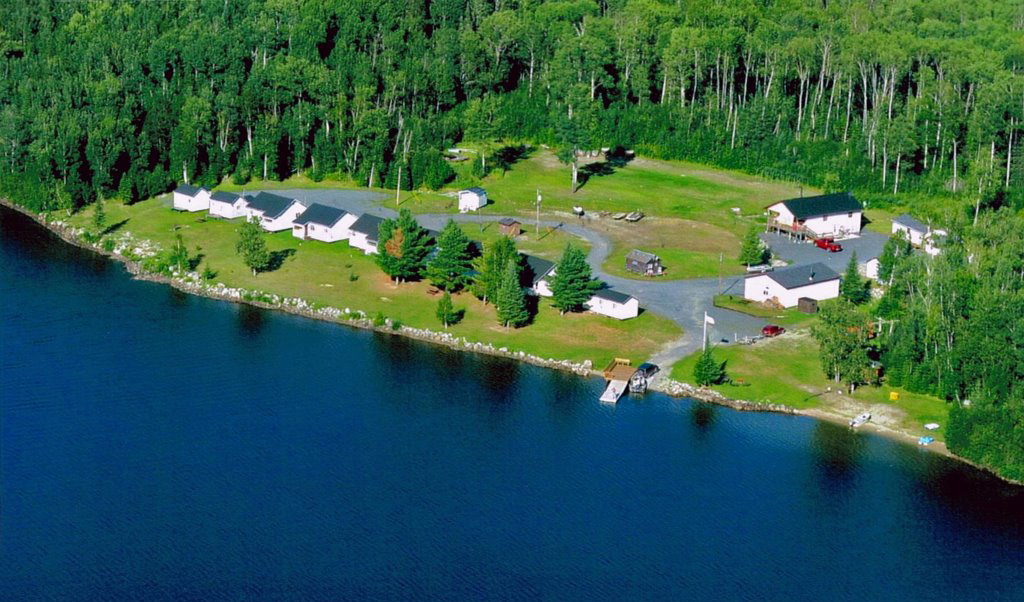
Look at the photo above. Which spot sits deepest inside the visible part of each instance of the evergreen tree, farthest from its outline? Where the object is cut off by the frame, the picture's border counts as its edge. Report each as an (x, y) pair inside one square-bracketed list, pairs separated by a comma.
[(707, 371), (841, 333), (572, 285), (402, 247), (252, 246), (853, 288), (450, 268), (753, 251), (490, 267), (445, 310), (511, 300), (99, 216)]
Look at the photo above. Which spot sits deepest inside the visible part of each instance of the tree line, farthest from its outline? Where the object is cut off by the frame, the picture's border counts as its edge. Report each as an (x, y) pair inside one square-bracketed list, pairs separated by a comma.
[(120, 99)]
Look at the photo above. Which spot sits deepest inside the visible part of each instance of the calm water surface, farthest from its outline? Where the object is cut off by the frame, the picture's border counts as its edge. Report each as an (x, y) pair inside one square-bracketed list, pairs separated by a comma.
[(157, 446)]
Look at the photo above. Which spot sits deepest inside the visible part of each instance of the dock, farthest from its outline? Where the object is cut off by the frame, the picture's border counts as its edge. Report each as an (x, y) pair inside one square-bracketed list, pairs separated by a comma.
[(617, 373)]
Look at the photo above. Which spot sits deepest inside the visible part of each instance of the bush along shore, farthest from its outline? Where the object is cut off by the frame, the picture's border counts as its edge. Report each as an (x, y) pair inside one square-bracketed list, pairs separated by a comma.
[(138, 256)]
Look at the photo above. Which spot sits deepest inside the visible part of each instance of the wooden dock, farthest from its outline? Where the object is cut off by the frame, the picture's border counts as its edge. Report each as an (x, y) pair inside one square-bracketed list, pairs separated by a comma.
[(617, 373)]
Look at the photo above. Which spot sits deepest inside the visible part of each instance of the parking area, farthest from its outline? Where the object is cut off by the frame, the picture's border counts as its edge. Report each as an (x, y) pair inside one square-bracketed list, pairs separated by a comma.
[(866, 245)]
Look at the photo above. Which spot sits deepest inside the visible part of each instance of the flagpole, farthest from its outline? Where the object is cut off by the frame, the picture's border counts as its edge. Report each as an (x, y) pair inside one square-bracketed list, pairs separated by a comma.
[(704, 341)]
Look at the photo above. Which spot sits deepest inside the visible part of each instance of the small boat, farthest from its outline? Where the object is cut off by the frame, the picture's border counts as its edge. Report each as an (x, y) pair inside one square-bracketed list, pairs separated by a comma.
[(618, 215), (932, 426), (860, 420), (635, 216), (925, 440)]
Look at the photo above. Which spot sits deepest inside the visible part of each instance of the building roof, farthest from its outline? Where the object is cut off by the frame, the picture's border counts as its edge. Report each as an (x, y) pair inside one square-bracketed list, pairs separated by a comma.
[(187, 190), (474, 190), (320, 214), (224, 197), (825, 204), (612, 295), (538, 268), (369, 225), (801, 275), (270, 205), (508, 221), (909, 222), (641, 256)]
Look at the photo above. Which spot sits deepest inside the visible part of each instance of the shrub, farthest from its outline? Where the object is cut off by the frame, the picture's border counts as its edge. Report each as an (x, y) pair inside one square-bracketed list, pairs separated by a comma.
[(380, 319)]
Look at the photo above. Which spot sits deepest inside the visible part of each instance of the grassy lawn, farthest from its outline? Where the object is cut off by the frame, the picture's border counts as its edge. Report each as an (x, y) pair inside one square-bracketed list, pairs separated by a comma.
[(790, 318), (786, 370), (339, 276), (549, 243)]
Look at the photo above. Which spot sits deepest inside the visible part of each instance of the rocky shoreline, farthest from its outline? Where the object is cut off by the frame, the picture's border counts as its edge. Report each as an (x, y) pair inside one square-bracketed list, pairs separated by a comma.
[(192, 283)]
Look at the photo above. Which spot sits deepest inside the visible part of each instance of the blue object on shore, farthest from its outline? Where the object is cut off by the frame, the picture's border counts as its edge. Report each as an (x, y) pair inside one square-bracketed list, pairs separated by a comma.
[(925, 440)]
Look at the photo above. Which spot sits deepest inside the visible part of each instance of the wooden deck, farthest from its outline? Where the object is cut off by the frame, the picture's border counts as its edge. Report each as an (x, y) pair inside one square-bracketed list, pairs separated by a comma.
[(617, 373)]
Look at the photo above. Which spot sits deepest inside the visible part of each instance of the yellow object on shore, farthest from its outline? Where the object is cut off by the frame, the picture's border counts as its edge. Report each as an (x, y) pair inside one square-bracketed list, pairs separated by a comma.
[(894, 395)]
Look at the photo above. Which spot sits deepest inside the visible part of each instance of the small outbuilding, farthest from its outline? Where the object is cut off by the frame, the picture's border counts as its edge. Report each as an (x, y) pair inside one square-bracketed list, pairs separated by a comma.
[(785, 287), (807, 305), (324, 223), (642, 262), (913, 230), (472, 199), (274, 212), (614, 304), (190, 198), (365, 233), (510, 227), (869, 269), (227, 205)]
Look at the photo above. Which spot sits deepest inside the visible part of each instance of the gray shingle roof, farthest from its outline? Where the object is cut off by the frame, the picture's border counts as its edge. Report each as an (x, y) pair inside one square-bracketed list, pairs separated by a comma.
[(825, 204), (475, 189), (538, 268), (612, 295), (270, 205), (369, 225), (187, 190), (641, 256), (320, 214), (909, 222), (507, 221), (801, 275), (224, 197)]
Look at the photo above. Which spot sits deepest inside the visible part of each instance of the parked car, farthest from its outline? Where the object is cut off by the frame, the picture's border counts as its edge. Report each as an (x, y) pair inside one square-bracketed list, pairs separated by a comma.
[(772, 330), (829, 244)]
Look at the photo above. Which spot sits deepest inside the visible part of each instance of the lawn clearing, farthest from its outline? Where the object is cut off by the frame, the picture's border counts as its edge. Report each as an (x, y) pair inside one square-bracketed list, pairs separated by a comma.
[(786, 370)]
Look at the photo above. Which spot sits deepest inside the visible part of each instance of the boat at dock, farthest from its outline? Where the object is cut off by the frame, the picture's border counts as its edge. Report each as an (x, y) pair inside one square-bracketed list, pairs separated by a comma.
[(860, 420)]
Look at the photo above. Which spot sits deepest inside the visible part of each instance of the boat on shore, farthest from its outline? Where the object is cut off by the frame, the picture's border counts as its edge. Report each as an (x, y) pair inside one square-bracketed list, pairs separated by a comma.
[(860, 420)]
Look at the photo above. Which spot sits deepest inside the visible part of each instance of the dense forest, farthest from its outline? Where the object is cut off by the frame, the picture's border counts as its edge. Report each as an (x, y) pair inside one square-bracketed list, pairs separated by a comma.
[(902, 99), (106, 98)]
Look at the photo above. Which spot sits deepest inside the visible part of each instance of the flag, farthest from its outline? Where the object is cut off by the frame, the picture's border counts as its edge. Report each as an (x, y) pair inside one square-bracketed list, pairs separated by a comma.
[(708, 319)]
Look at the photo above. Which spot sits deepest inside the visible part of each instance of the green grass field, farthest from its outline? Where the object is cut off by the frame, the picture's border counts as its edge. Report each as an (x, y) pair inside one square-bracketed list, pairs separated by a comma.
[(323, 273), (786, 370)]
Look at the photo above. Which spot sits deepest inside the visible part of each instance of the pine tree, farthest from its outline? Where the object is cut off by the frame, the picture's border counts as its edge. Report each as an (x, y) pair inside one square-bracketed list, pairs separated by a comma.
[(252, 246), (99, 216), (853, 287), (449, 269), (490, 267), (403, 247), (511, 300), (445, 310), (572, 285), (707, 371), (753, 251)]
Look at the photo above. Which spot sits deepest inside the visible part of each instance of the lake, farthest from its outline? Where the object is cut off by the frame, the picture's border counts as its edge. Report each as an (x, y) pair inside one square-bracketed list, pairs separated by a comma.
[(159, 446)]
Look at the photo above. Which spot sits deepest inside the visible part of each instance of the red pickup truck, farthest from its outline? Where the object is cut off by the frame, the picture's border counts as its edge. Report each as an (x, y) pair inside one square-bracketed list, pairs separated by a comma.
[(829, 244), (772, 330)]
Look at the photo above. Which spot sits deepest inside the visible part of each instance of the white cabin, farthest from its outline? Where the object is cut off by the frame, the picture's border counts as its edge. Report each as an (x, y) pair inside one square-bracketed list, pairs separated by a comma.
[(274, 212), (324, 223), (365, 232), (227, 205), (785, 287), (614, 304), (472, 199), (190, 198), (836, 215), (912, 229), (538, 271), (869, 269)]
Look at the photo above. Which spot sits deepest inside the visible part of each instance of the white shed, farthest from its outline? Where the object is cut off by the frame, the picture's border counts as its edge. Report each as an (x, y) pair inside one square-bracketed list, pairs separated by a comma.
[(472, 199), (227, 205), (914, 230), (870, 268), (190, 198), (836, 215), (321, 222), (614, 304), (785, 287), (365, 232)]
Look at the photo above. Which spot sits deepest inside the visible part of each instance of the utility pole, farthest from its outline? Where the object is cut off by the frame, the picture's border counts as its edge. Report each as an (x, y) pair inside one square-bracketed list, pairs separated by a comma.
[(538, 212)]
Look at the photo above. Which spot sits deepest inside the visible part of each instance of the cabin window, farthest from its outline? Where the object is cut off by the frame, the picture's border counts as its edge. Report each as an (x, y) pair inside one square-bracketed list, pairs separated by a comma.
[(824, 218), (850, 214)]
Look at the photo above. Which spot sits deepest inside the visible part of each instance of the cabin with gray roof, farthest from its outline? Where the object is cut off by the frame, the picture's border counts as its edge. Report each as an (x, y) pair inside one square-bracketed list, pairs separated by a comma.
[(323, 223), (190, 198), (642, 262), (612, 303), (837, 215), (535, 275), (227, 205), (365, 232), (274, 212), (913, 230), (785, 287)]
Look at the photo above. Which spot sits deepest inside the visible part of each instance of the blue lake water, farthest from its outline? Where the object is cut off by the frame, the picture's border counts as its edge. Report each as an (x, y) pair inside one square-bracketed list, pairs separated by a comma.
[(158, 446)]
